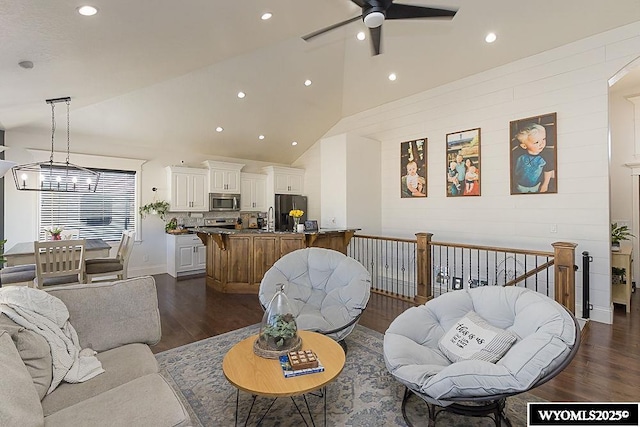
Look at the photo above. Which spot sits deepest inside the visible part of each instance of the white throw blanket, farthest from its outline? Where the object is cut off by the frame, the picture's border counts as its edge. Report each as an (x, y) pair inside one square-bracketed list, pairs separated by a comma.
[(47, 315)]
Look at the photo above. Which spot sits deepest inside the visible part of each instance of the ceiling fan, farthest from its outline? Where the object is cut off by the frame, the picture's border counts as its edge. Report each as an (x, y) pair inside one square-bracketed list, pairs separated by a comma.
[(374, 13)]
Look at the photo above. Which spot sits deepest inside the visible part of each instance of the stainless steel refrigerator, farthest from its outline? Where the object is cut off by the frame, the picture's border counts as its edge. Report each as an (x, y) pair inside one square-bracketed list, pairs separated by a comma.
[(285, 203)]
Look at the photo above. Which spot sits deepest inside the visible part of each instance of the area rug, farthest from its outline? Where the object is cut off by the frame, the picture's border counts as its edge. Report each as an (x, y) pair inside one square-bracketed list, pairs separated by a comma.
[(364, 394)]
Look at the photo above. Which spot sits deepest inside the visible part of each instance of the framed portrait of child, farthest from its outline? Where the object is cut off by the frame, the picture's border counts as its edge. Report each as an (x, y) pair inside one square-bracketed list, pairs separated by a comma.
[(413, 168), (533, 155), (463, 163)]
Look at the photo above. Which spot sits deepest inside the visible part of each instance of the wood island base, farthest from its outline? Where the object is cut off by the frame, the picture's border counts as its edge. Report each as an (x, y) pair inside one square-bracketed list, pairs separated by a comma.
[(237, 261)]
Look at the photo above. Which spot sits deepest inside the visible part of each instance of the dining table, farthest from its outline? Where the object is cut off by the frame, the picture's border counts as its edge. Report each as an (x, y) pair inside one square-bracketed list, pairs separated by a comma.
[(23, 252)]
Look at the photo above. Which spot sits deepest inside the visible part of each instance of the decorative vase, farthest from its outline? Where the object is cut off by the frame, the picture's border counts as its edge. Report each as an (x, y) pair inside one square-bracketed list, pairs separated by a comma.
[(296, 222), (278, 331), (55, 237)]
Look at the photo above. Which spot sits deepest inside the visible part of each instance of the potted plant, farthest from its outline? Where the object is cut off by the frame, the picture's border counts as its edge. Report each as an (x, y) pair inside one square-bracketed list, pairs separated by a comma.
[(160, 208), (54, 232), (618, 234), (279, 333), (617, 275)]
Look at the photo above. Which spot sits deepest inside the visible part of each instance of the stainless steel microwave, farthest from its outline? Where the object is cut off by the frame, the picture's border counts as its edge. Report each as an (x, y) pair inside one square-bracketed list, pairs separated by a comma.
[(224, 202)]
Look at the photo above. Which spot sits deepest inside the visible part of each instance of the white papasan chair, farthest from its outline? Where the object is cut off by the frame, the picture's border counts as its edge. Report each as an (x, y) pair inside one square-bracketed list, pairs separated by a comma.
[(546, 338), (327, 290)]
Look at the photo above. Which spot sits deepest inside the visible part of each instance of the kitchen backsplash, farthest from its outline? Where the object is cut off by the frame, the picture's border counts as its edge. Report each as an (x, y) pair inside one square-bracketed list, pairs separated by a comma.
[(196, 219)]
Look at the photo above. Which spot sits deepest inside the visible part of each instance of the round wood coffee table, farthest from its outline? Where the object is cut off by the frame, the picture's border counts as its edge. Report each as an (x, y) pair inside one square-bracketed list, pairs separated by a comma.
[(264, 377)]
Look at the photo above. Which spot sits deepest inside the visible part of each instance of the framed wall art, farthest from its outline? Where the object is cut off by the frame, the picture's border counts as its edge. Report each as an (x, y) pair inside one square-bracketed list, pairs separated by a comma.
[(463, 163), (533, 155), (413, 168)]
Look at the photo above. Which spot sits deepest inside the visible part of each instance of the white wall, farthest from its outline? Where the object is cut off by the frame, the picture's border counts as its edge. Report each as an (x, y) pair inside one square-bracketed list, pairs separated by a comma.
[(347, 181), (570, 80), (363, 191), (309, 162), (333, 187)]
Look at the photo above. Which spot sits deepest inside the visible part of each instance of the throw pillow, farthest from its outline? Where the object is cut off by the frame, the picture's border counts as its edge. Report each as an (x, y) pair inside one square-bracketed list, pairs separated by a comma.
[(472, 337), (34, 351)]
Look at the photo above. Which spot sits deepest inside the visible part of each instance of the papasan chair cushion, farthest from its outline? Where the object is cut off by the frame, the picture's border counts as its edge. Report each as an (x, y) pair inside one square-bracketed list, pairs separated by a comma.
[(546, 335), (327, 289)]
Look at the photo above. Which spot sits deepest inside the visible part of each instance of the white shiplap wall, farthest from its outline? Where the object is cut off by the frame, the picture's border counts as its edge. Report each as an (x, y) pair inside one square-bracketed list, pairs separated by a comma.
[(570, 80)]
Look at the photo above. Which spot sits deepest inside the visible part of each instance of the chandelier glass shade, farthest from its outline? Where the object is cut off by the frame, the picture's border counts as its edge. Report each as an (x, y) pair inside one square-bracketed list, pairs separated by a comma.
[(55, 176)]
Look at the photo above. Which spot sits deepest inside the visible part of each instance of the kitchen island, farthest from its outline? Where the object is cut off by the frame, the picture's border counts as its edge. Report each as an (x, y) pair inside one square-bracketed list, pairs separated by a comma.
[(238, 259)]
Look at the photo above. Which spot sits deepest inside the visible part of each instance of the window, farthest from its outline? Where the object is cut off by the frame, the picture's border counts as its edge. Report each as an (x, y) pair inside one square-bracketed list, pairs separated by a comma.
[(104, 214)]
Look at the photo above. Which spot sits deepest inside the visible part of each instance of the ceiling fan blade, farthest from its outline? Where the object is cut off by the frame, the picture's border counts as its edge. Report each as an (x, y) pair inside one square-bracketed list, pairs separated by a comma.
[(329, 28), (405, 11), (360, 3), (376, 35)]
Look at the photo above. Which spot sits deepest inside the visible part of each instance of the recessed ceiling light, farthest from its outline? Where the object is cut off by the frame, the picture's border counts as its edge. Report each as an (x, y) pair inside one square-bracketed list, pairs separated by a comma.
[(294, 143), (393, 77), (87, 10), (260, 136), (219, 129), (490, 38), (241, 95), (361, 35), (307, 82), (266, 15)]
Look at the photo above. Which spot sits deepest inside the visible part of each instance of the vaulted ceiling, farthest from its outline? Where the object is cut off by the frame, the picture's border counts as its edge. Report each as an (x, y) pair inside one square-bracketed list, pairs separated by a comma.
[(162, 75)]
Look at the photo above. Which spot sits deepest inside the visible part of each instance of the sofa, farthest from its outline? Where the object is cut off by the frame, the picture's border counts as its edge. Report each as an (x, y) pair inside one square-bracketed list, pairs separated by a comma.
[(119, 320)]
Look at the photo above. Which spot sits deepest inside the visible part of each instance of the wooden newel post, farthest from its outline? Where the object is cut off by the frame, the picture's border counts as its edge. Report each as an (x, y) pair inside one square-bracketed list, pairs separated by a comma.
[(423, 265), (564, 274)]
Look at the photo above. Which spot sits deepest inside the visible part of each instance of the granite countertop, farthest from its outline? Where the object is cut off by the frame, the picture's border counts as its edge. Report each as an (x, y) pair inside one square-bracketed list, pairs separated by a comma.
[(230, 231)]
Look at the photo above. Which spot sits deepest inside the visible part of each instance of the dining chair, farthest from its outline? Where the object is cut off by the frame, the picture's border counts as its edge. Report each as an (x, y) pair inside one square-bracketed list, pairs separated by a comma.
[(109, 267), (59, 262), (70, 234)]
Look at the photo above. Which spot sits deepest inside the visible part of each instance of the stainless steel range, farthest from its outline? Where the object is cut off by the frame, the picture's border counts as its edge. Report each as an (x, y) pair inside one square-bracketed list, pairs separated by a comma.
[(220, 222)]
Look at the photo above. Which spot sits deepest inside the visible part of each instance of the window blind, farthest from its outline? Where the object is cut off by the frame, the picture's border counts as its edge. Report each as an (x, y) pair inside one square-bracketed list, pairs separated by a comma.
[(104, 214)]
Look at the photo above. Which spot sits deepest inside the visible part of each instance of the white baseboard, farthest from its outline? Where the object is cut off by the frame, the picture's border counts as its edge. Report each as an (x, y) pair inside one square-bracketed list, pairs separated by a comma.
[(147, 270), (602, 315)]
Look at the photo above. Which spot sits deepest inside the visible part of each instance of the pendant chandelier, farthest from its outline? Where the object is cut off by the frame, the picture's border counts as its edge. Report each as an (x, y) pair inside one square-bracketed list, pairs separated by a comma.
[(55, 176)]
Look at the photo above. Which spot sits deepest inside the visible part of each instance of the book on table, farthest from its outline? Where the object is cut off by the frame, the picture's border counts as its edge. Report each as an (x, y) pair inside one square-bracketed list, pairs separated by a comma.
[(288, 362)]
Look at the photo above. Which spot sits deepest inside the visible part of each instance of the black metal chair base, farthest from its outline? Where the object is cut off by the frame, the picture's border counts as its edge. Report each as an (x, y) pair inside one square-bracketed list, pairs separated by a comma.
[(493, 409), (343, 344)]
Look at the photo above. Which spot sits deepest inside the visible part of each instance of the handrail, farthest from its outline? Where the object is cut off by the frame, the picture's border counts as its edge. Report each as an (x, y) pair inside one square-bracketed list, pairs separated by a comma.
[(394, 239), (530, 273), (492, 248)]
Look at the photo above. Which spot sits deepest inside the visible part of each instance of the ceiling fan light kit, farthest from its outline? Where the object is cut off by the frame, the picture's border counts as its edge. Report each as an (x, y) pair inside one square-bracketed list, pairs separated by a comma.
[(54, 176), (375, 12), (373, 19)]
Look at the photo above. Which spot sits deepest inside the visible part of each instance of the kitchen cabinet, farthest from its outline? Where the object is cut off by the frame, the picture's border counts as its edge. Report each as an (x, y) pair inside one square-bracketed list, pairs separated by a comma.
[(253, 192), (188, 189), (285, 180), (224, 177), (186, 255), (621, 292)]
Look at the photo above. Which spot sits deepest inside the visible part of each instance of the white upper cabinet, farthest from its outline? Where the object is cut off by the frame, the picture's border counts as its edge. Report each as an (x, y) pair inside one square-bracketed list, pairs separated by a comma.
[(224, 177), (253, 192), (286, 180), (188, 189)]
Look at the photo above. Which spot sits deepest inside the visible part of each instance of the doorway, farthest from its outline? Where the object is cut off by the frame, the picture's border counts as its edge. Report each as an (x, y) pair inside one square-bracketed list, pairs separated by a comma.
[(624, 155)]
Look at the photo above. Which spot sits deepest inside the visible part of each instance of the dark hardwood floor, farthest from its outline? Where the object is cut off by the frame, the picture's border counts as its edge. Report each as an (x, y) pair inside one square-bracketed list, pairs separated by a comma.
[(606, 368)]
